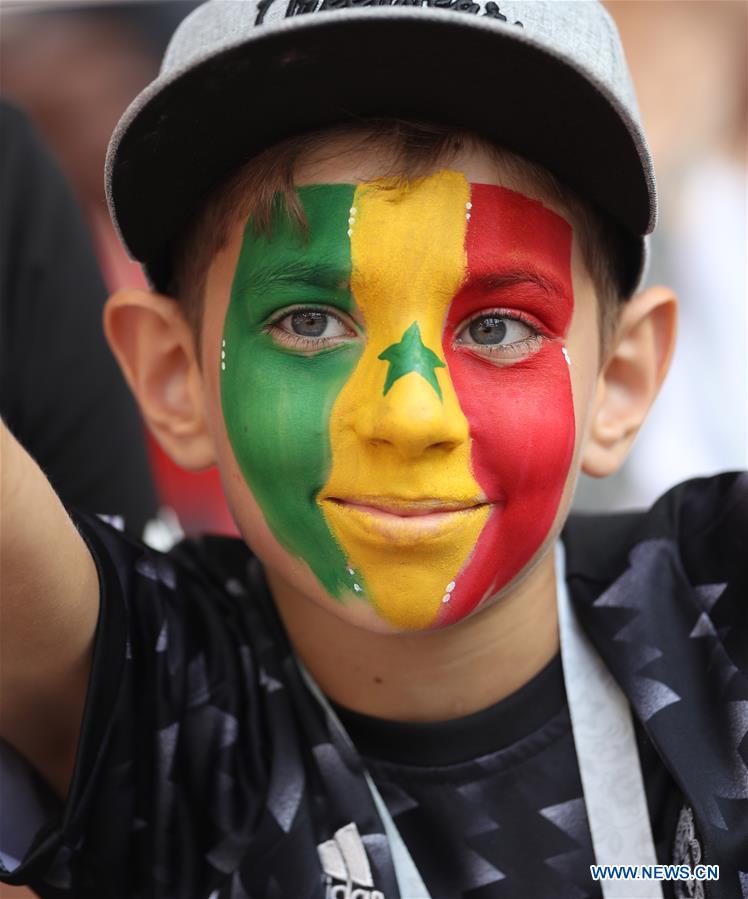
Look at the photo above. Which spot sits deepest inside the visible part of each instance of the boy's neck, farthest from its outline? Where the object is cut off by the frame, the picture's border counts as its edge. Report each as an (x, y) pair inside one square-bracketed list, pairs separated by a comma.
[(428, 676)]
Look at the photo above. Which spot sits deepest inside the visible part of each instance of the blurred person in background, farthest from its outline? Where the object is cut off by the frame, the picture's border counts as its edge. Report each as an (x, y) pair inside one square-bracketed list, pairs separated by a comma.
[(688, 60), (74, 67), (60, 389)]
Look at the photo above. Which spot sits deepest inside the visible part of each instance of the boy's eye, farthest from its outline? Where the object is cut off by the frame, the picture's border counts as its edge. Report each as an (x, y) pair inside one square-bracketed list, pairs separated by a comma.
[(490, 330), (499, 335), (310, 329), (313, 323)]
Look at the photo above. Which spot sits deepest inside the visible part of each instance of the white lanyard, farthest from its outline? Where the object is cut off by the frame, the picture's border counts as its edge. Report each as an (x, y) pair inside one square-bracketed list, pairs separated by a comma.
[(609, 764), (409, 880)]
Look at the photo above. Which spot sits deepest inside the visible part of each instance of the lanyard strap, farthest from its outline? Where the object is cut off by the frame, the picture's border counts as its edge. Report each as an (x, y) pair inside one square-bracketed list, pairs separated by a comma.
[(408, 877), (608, 758)]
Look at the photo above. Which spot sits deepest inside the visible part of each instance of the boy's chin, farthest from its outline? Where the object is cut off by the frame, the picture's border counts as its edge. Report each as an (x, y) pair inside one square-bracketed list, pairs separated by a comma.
[(361, 613)]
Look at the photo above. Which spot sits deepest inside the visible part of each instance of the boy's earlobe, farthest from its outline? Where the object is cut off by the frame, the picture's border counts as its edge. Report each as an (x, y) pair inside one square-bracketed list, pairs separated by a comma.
[(630, 378), (155, 348)]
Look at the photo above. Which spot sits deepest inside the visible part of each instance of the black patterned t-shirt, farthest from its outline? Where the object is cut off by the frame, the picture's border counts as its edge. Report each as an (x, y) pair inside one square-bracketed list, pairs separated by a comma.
[(207, 769)]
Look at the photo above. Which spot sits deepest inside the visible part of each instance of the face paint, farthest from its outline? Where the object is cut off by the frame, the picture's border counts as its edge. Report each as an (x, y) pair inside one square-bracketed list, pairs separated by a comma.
[(410, 354), (276, 401), (411, 421), (521, 415), (399, 437)]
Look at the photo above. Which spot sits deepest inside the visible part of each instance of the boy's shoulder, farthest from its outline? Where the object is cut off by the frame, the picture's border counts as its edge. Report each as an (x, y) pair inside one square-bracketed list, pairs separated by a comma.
[(208, 564), (663, 593), (663, 597), (683, 560), (706, 519), (197, 605)]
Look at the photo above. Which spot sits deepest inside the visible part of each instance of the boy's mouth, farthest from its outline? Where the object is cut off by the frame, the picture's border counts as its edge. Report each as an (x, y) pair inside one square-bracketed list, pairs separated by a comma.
[(403, 522)]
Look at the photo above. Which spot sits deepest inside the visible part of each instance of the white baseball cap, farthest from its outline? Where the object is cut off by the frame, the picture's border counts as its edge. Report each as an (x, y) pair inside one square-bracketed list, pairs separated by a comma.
[(546, 79)]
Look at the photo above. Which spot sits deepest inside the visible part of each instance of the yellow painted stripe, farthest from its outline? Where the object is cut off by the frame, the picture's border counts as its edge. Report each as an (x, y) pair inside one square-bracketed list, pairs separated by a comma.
[(408, 260)]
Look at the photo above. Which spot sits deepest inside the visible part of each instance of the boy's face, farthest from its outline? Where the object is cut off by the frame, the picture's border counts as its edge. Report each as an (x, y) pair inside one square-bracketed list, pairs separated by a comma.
[(398, 398)]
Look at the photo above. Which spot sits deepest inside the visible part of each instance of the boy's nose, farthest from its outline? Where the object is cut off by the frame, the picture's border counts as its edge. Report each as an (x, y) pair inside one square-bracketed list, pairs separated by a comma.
[(411, 418)]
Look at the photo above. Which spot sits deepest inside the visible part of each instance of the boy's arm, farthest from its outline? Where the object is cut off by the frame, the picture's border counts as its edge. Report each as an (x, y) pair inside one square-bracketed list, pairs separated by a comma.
[(48, 613)]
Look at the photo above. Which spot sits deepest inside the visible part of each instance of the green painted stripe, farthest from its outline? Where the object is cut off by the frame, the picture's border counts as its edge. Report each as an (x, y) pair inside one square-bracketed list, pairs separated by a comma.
[(277, 402)]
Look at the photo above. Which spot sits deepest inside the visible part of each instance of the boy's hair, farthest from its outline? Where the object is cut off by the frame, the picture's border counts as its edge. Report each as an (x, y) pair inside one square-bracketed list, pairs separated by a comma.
[(412, 148)]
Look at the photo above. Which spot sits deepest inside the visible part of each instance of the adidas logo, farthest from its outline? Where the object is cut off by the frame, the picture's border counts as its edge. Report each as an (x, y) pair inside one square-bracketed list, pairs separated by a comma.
[(344, 859)]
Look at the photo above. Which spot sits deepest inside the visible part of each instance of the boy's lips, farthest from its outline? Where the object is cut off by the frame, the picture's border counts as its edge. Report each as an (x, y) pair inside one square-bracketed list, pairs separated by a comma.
[(403, 522), (407, 508)]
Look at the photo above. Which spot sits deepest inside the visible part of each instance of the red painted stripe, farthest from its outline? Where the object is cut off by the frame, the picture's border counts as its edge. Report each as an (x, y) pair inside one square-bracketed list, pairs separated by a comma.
[(521, 416)]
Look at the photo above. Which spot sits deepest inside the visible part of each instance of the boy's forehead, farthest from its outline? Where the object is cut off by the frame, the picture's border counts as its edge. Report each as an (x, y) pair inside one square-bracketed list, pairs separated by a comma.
[(313, 255), (379, 229), (345, 159)]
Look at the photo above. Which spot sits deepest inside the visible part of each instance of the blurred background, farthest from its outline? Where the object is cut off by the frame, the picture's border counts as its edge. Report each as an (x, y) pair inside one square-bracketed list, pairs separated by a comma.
[(688, 61), (74, 67)]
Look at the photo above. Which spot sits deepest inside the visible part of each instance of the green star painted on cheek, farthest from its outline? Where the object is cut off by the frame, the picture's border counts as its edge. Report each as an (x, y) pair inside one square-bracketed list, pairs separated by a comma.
[(411, 354)]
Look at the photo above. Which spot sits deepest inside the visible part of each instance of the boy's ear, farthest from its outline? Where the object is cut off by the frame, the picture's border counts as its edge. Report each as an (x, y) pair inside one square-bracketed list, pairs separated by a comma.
[(630, 378), (155, 348)]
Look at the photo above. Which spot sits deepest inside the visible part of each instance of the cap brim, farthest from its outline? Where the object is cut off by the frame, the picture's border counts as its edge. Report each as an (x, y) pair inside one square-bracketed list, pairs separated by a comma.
[(181, 139)]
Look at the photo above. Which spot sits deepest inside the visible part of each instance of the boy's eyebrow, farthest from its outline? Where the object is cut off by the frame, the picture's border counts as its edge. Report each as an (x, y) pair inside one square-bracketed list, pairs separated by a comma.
[(333, 276), (313, 274), (518, 277)]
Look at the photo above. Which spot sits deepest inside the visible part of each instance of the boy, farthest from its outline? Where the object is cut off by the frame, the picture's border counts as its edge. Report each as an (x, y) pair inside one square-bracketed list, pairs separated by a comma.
[(400, 342)]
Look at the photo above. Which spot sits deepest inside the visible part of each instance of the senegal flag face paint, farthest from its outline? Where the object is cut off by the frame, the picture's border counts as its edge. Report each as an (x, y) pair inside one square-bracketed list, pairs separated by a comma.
[(396, 390)]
